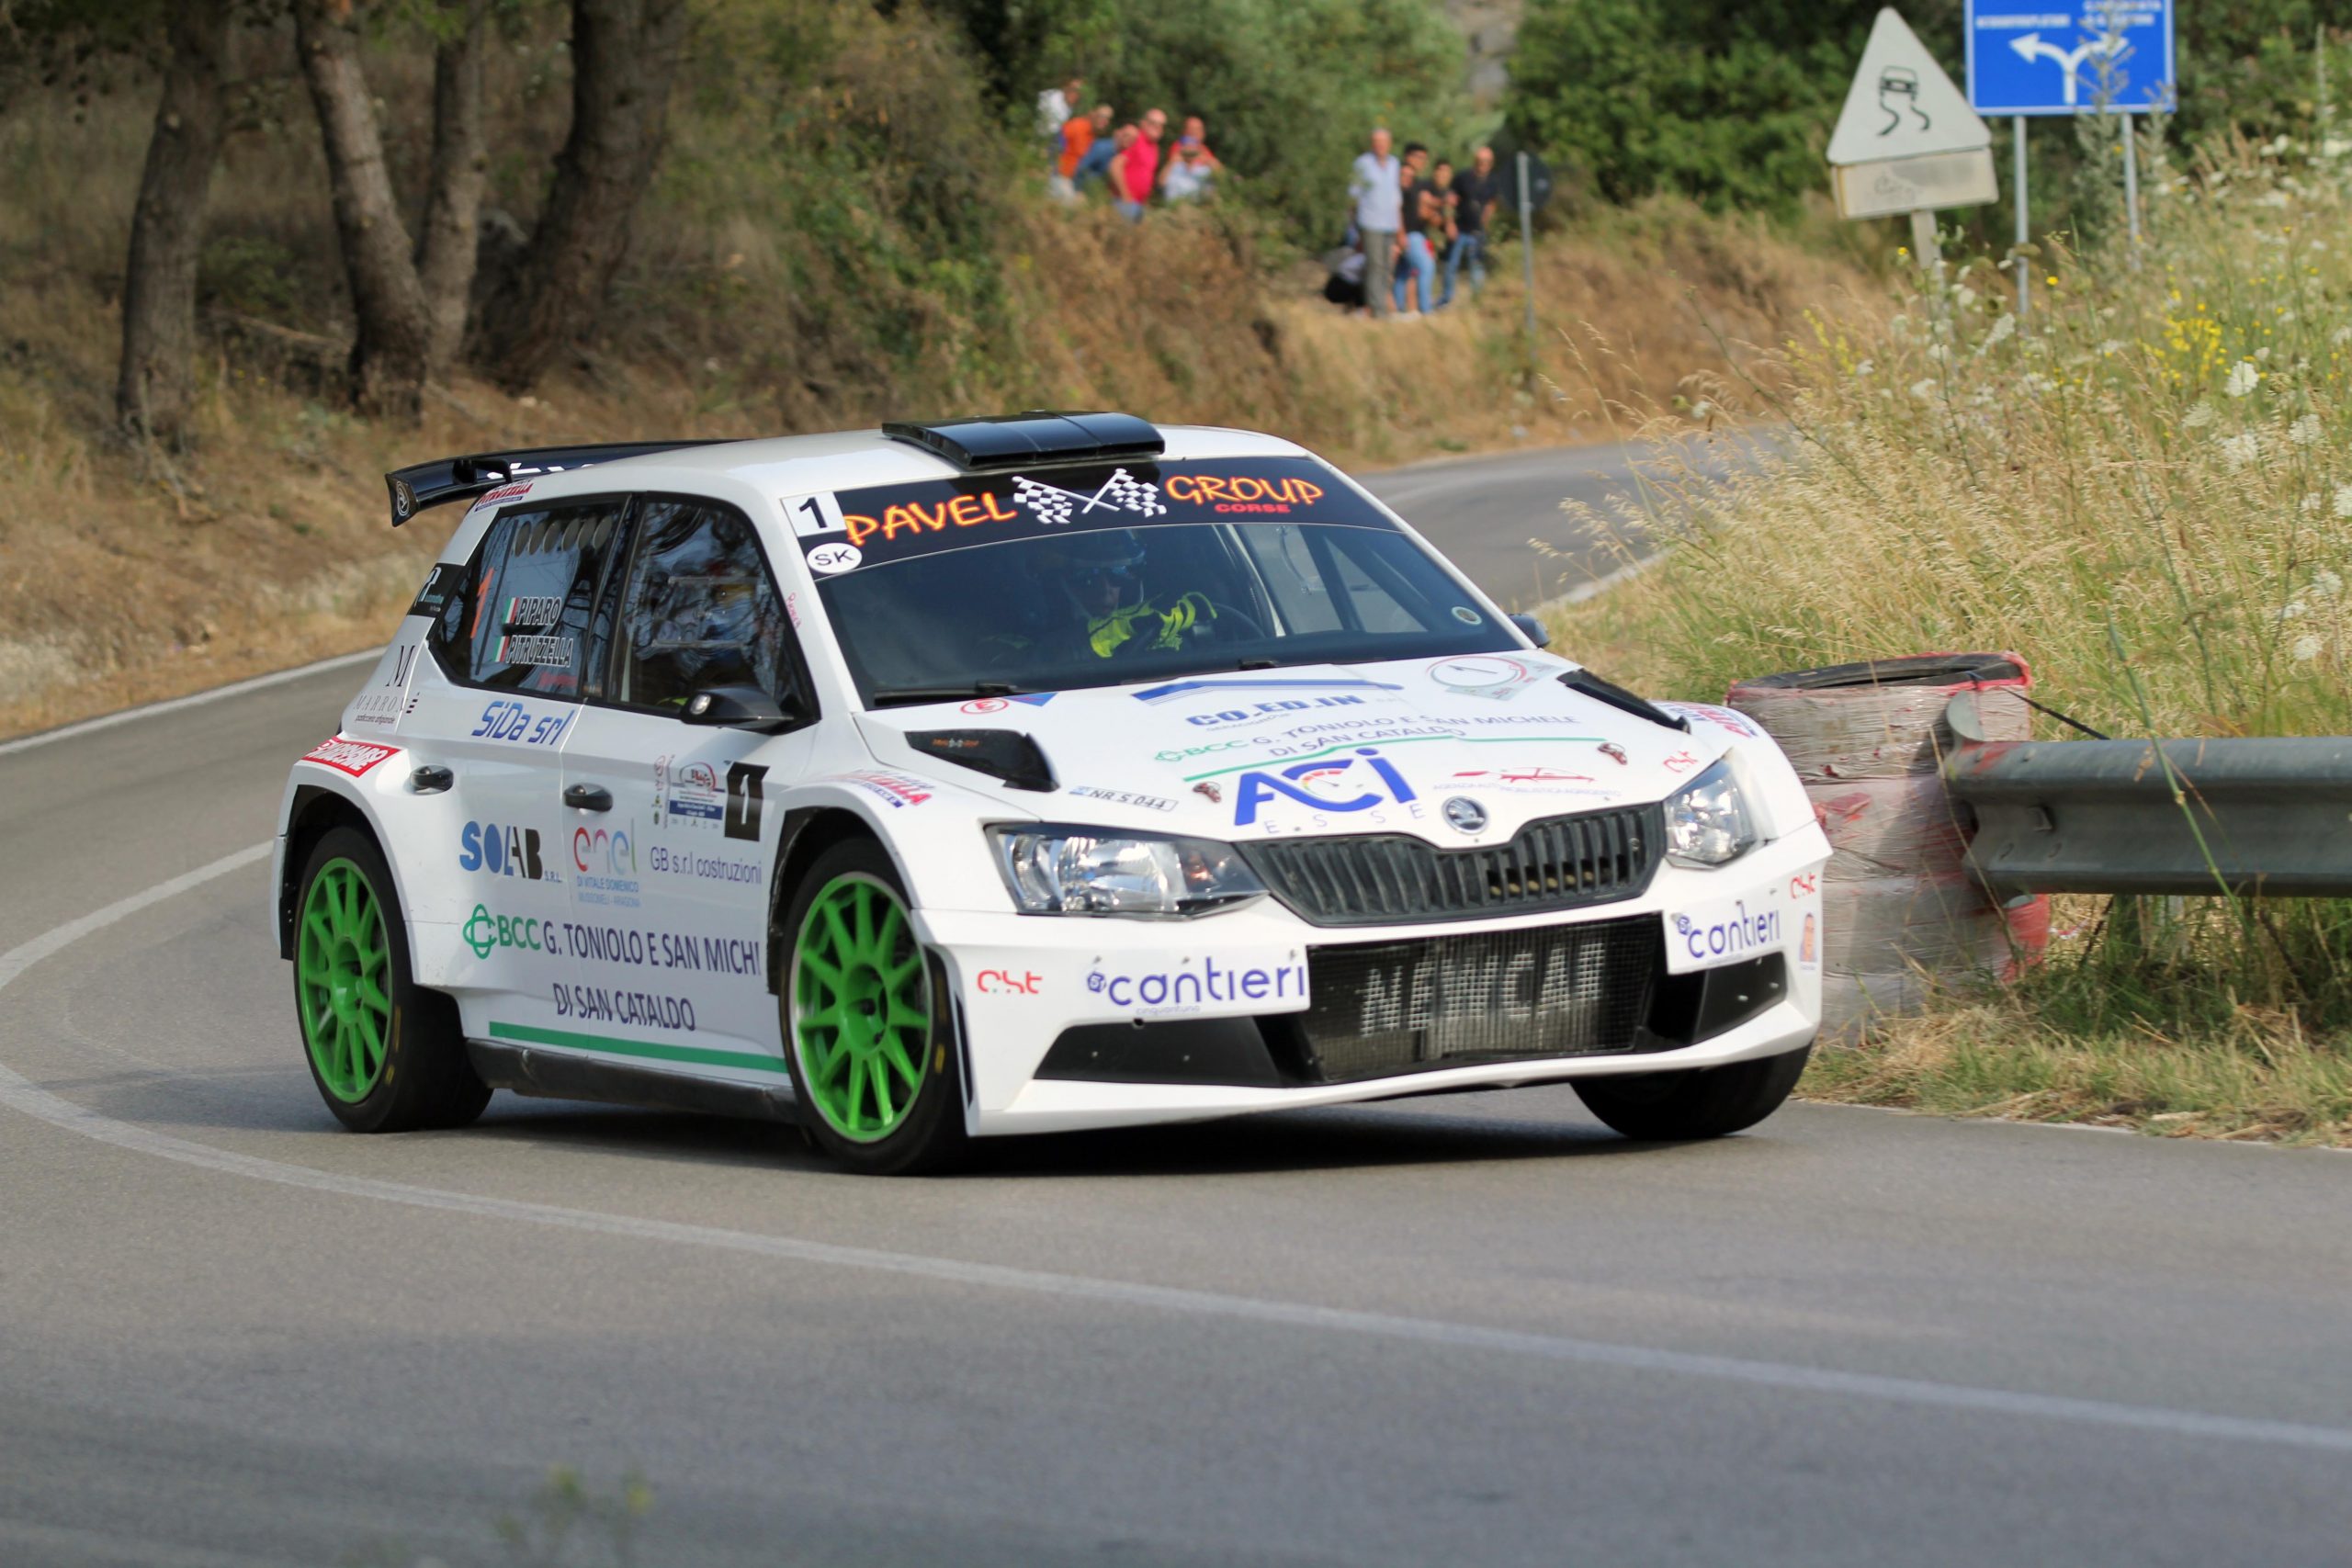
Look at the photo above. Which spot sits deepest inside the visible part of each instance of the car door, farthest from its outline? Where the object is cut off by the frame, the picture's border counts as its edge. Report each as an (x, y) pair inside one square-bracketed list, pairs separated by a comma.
[(499, 702), (670, 880)]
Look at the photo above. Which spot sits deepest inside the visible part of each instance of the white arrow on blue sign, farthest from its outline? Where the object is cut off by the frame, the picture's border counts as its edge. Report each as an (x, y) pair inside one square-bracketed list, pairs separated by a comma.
[(2112, 55)]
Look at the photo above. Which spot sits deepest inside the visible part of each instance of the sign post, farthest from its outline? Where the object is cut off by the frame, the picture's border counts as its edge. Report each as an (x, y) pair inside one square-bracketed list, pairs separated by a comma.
[(2106, 56), (2025, 269), (1906, 141)]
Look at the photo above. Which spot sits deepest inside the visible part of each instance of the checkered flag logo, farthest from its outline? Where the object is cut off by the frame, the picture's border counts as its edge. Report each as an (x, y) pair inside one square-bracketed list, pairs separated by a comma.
[(1122, 491)]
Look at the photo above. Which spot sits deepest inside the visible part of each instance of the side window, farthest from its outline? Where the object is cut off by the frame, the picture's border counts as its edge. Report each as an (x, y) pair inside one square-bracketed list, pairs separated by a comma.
[(699, 610), (519, 619)]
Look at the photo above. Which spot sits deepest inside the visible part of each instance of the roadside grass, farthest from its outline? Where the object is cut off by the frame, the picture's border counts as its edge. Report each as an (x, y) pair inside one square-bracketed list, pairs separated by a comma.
[(2146, 488)]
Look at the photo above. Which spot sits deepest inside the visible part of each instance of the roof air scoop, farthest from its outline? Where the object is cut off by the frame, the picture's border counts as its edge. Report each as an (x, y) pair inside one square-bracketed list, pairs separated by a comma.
[(1018, 440)]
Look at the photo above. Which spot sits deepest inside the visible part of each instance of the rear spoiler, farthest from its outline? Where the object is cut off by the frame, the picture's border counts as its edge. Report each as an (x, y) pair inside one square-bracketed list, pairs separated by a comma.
[(459, 479)]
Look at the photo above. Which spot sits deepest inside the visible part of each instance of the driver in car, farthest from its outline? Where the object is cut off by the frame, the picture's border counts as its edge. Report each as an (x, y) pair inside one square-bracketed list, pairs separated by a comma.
[(1094, 590)]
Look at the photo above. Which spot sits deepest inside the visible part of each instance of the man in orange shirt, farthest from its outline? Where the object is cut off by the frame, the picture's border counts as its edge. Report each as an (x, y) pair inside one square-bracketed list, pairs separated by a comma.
[(1079, 133)]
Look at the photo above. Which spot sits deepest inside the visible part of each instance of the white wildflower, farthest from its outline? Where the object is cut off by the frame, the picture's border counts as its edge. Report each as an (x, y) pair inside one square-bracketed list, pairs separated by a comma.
[(2287, 317), (2198, 417), (2306, 647), (2243, 378), (2263, 355), (2003, 330), (2308, 505), (2344, 501), (2273, 199), (1924, 389), (2304, 431), (2334, 147), (1865, 367), (2340, 336), (1963, 296), (1938, 354), (2325, 583), (2293, 610), (2035, 385), (2237, 451), (2112, 346)]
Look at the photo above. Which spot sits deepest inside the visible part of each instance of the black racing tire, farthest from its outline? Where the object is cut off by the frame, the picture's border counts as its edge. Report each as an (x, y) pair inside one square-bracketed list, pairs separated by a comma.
[(418, 1075), (893, 1018), (1697, 1102)]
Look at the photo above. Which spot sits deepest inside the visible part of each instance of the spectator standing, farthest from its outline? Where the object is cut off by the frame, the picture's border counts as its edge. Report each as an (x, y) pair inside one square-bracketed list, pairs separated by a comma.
[(1443, 232), (1106, 146), (1474, 194), (1190, 164), (1136, 171), (1417, 263), (1379, 206), (1078, 137), (1055, 105)]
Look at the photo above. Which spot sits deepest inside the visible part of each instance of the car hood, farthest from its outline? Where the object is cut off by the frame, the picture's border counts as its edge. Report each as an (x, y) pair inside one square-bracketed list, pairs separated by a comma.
[(1321, 749)]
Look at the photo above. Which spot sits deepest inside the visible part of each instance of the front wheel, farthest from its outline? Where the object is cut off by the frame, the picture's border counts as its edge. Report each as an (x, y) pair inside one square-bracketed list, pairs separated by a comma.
[(867, 1030), (387, 1055), (1698, 1102)]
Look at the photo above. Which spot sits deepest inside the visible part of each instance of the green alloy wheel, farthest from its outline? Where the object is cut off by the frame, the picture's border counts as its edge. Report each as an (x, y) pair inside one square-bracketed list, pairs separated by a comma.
[(387, 1055), (873, 1062), (343, 964)]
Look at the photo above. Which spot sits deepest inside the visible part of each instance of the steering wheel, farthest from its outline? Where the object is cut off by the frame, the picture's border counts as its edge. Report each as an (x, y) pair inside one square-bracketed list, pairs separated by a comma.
[(1215, 628)]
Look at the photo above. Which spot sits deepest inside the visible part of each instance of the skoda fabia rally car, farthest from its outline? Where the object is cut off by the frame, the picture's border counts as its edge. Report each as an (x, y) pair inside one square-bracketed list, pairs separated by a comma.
[(1010, 776)]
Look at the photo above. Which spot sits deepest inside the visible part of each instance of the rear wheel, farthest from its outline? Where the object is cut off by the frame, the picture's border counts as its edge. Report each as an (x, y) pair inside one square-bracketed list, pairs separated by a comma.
[(866, 1027), (1699, 1103), (387, 1056)]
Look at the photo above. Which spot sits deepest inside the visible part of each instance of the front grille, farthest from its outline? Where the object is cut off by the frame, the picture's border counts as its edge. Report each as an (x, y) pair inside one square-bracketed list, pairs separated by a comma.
[(1560, 863), (1576, 990)]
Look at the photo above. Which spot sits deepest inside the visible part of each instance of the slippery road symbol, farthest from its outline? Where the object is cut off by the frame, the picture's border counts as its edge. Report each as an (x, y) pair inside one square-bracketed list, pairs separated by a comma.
[(1900, 84), (2032, 47)]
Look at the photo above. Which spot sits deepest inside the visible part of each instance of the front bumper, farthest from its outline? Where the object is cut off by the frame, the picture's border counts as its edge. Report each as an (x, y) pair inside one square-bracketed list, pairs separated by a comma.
[(1043, 997)]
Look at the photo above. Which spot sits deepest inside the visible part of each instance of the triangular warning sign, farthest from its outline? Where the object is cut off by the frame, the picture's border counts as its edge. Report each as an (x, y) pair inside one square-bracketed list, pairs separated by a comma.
[(1902, 104)]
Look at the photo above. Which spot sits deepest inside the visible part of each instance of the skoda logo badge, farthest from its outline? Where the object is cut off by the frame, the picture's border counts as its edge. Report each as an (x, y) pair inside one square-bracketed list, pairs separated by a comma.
[(404, 501), (1465, 814)]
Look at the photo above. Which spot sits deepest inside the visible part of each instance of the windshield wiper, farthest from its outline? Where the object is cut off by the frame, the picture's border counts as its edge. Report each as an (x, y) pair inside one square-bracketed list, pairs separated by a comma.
[(896, 696)]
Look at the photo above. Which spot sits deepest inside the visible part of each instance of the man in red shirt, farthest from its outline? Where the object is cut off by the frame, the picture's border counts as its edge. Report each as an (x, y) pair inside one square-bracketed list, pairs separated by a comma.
[(1134, 171)]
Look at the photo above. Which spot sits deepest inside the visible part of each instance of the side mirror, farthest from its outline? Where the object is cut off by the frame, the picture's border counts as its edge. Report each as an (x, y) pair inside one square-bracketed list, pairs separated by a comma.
[(738, 707), (1533, 628)]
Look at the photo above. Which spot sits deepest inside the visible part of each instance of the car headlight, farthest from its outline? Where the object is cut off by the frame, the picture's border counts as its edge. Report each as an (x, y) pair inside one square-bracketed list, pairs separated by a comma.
[(1707, 823), (1085, 871)]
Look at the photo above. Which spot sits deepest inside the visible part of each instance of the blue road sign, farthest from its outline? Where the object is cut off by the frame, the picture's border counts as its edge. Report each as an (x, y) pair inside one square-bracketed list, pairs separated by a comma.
[(2115, 55)]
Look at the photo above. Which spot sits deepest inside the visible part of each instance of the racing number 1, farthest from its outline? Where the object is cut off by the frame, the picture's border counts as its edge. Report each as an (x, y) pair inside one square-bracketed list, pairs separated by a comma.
[(744, 800)]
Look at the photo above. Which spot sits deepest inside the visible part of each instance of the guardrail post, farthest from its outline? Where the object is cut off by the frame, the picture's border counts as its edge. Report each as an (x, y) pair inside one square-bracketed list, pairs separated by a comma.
[(1898, 907)]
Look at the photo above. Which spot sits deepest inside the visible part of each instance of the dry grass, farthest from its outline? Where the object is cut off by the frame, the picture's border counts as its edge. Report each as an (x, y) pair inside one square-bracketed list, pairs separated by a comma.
[(2147, 490)]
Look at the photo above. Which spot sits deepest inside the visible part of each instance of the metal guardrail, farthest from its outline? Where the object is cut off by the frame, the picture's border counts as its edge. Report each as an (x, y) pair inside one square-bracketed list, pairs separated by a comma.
[(2269, 817)]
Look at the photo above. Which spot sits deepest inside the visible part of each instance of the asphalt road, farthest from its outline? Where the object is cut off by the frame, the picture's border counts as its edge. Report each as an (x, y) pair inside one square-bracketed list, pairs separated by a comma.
[(1475, 1329)]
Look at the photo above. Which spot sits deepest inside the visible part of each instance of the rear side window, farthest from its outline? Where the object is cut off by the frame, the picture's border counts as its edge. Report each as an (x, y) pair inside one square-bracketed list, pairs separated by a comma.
[(519, 620), (698, 611)]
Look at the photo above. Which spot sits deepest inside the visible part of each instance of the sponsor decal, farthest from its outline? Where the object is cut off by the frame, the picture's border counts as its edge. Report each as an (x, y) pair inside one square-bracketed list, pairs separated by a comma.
[(1466, 615), (1482, 676), (1724, 931), (1175, 689), (1007, 982), (1534, 780), (642, 948), (641, 1008), (537, 652), (1189, 989), (707, 868), (384, 705), (1122, 798), (1722, 718), (1808, 953), (1243, 492), (1214, 795), (530, 610), (605, 860), (985, 705), (1805, 886), (439, 584), (1256, 713), (501, 852), (744, 800), (1614, 753), (1052, 504), (404, 501), (504, 492), (1680, 762), (347, 755), (914, 517), (687, 795), (815, 514), (522, 723), (1304, 749), (894, 790), (1362, 781), (487, 934), (792, 610), (827, 560)]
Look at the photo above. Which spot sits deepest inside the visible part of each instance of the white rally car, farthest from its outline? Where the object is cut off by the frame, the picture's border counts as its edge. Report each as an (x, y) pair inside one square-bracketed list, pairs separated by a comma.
[(1012, 775)]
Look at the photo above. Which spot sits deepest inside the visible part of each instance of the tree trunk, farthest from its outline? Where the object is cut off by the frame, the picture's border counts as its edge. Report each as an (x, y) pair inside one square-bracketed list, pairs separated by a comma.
[(623, 55), (447, 248), (155, 385), (391, 348)]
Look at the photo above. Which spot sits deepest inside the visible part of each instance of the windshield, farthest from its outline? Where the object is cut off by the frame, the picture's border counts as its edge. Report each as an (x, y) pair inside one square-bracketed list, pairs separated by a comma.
[(1098, 577)]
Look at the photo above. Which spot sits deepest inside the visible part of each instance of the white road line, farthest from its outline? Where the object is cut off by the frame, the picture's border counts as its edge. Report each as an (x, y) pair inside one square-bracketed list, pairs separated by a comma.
[(195, 699), (21, 1094)]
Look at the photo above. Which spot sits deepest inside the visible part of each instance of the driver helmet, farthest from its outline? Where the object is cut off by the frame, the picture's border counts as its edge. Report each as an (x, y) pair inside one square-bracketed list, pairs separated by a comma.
[(1098, 573)]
